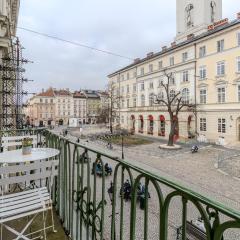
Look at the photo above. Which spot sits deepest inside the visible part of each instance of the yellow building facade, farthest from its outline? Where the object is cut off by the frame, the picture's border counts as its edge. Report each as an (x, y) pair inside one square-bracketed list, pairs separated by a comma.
[(206, 70)]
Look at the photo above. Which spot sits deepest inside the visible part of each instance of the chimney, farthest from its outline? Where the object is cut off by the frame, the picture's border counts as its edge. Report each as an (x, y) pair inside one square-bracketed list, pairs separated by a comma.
[(238, 15), (150, 54), (173, 44), (136, 60), (190, 36), (164, 48)]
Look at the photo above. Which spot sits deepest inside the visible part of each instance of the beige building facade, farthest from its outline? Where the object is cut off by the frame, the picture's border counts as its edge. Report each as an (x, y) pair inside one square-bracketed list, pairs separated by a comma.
[(205, 62)]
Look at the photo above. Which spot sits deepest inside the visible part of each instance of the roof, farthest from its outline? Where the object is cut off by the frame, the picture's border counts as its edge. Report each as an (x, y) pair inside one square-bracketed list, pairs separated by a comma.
[(91, 94), (62, 92), (168, 50), (79, 94), (48, 93)]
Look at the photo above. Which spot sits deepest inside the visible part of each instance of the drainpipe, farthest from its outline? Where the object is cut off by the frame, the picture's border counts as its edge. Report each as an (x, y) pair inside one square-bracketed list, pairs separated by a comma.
[(195, 89)]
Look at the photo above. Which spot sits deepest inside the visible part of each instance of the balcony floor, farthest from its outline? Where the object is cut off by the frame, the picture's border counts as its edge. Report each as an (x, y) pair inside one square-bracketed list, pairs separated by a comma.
[(19, 224)]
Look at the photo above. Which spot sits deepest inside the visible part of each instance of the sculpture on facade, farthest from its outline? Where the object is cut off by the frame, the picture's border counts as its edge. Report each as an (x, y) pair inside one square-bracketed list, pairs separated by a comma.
[(189, 17), (213, 11)]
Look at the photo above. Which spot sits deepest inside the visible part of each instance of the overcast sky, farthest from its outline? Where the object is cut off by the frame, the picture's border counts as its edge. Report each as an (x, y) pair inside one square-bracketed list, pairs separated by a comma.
[(128, 27)]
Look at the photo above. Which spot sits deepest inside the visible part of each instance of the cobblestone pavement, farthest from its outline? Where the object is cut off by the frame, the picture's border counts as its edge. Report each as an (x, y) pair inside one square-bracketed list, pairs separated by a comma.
[(195, 171)]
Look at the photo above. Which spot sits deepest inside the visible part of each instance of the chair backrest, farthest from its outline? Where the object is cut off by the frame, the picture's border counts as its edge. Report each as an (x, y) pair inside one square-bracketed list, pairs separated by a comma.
[(38, 171), (13, 142)]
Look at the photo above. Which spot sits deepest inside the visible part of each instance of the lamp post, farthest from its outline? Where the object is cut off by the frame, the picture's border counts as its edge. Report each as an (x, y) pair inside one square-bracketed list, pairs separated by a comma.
[(110, 193), (122, 146)]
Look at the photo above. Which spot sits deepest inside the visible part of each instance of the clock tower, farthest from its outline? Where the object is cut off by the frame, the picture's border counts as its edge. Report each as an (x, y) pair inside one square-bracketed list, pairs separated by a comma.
[(194, 16)]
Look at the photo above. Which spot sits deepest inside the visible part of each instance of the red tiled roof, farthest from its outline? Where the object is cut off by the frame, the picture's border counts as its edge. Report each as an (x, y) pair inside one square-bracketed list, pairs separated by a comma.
[(78, 94), (47, 93), (62, 92)]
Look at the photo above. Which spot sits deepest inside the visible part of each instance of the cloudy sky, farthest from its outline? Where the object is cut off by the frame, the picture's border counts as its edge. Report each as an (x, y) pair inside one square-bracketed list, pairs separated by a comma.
[(127, 27)]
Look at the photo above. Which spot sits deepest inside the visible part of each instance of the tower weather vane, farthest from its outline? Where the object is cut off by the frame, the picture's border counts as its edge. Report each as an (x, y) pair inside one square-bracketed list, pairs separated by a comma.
[(189, 10), (213, 8)]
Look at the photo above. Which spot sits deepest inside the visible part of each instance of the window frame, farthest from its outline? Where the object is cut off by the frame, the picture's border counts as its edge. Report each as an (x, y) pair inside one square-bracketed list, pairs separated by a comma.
[(202, 72), (222, 125), (203, 96), (203, 124), (221, 96), (220, 45), (202, 53), (221, 68), (185, 76)]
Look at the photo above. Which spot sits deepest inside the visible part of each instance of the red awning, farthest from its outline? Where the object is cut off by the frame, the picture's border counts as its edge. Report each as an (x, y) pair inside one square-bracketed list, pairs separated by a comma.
[(162, 118), (150, 117)]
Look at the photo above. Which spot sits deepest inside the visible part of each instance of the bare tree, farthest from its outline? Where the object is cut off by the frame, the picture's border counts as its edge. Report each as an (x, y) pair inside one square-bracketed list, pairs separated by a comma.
[(174, 102), (112, 104)]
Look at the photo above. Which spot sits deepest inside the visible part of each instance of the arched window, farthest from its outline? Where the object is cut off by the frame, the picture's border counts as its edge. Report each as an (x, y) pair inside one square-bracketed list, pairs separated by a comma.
[(141, 124), (142, 100), (162, 126), (150, 125), (151, 99), (185, 95), (171, 94)]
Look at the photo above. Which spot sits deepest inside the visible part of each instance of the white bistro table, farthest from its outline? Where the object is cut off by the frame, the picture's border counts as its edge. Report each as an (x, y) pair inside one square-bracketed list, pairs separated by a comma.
[(16, 156)]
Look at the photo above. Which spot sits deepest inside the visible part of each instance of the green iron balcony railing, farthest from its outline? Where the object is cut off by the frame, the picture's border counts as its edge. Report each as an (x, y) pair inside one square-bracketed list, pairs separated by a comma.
[(91, 208)]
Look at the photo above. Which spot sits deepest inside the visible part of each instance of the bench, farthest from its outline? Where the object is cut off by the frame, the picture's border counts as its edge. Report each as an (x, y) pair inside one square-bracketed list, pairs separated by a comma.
[(193, 232)]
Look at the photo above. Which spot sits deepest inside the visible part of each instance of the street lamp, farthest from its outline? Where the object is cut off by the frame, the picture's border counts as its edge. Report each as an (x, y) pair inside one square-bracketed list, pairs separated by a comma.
[(122, 146)]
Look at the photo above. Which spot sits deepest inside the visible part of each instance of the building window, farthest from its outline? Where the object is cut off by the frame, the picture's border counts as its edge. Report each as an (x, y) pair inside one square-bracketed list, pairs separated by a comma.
[(202, 72), (122, 77), (185, 56), (220, 68), (151, 99), (185, 76), (51, 100), (151, 85), (185, 96), (142, 86), (122, 90), (134, 102), (142, 71), (203, 96), (221, 95), (134, 87), (171, 94), (238, 64), (160, 65), (171, 61), (160, 82), (203, 125), (150, 68), (122, 103), (238, 38), (220, 45), (128, 105), (160, 95), (122, 119), (134, 74), (41, 100), (142, 100), (202, 51), (172, 79), (238, 93), (222, 125), (127, 88), (127, 76)]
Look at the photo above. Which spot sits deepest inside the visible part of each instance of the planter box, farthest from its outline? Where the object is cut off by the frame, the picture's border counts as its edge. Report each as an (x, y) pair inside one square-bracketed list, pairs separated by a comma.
[(27, 150)]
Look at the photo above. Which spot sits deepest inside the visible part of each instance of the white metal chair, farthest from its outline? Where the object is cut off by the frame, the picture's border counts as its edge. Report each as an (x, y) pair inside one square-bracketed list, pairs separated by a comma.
[(13, 142), (28, 203)]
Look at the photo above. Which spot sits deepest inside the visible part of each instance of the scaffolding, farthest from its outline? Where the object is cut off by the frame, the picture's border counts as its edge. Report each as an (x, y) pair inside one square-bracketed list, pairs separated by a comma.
[(12, 94)]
